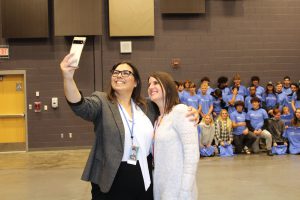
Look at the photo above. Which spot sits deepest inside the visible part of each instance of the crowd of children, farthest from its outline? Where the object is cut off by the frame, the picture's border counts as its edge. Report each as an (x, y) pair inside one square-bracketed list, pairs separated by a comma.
[(237, 117)]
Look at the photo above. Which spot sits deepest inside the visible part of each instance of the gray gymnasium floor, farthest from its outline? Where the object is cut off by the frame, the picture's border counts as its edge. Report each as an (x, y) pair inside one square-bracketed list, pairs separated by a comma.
[(55, 175)]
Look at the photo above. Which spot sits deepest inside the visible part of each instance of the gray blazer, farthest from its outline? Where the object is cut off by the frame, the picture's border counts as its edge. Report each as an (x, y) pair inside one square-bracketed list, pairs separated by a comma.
[(107, 151)]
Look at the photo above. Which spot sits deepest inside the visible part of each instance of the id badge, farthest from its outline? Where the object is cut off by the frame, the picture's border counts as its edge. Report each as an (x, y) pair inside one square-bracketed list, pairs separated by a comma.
[(133, 155)]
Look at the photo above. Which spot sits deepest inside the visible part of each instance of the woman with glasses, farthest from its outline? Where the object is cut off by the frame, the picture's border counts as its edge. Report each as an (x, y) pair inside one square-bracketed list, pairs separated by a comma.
[(119, 164)]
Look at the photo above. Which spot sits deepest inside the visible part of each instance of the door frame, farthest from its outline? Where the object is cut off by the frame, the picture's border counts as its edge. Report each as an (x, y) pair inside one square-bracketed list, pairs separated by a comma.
[(20, 72)]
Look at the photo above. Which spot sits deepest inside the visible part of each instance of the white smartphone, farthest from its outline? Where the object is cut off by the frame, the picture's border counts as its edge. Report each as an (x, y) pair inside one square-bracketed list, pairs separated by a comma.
[(76, 49)]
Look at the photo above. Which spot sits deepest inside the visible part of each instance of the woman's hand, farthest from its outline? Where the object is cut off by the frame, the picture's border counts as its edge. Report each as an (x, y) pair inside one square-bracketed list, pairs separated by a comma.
[(66, 68), (71, 91), (193, 114)]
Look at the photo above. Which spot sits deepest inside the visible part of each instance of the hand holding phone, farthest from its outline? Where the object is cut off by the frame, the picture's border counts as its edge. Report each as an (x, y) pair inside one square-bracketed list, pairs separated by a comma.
[(76, 49)]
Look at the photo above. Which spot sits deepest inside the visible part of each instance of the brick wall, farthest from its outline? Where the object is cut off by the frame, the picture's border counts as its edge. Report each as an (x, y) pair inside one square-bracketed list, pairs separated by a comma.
[(251, 37)]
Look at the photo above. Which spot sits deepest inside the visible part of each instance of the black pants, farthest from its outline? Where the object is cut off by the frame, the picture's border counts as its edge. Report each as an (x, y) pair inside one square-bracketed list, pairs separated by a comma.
[(243, 140), (128, 185)]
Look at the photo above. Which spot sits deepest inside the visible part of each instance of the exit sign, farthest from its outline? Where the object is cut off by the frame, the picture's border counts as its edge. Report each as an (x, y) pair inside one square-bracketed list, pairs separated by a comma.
[(4, 51)]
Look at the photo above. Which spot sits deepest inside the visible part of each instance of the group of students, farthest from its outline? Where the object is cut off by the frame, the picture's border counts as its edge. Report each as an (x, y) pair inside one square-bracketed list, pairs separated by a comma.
[(242, 116)]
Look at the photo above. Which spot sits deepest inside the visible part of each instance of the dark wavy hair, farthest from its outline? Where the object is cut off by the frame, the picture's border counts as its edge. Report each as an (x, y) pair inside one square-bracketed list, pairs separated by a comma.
[(167, 84), (136, 93)]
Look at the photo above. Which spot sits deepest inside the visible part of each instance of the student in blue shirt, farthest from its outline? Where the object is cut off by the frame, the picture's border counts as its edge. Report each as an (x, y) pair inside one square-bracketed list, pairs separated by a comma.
[(237, 83), (294, 87), (191, 99), (259, 89), (206, 104), (205, 80), (296, 99), (232, 98), (287, 86), (223, 86), (256, 120), (242, 138), (218, 102), (180, 87), (281, 96), (288, 90), (286, 116), (186, 89), (270, 99), (252, 93)]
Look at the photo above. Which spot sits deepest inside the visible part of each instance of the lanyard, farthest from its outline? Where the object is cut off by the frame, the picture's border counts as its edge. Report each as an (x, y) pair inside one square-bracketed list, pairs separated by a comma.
[(157, 123), (132, 126)]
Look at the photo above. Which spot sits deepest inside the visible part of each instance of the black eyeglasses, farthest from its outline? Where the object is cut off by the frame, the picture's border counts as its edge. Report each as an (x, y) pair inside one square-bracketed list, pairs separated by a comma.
[(124, 73)]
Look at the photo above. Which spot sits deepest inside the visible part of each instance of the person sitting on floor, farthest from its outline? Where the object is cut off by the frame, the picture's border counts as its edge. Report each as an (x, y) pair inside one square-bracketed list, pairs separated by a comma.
[(256, 120), (276, 127), (241, 135), (207, 131), (286, 116)]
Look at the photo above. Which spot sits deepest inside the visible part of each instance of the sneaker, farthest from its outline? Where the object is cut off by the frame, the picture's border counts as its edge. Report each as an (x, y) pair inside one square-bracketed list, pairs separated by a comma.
[(269, 153), (247, 151)]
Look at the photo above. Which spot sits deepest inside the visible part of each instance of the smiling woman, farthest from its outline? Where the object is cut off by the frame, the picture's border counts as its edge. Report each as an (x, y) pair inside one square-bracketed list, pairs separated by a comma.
[(119, 163), (175, 145)]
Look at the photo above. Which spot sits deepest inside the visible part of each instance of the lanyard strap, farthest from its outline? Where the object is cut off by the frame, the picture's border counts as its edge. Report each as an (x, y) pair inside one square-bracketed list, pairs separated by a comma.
[(132, 126)]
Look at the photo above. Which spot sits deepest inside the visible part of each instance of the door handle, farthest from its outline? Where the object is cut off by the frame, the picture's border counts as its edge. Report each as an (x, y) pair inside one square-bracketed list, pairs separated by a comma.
[(12, 115)]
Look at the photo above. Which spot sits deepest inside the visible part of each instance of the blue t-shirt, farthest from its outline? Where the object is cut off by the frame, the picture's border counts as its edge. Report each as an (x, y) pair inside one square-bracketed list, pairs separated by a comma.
[(282, 100), (287, 118), (205, 102), (289, 93), (217, 105), (237, 117), (297, 102), (184, 93), (242, 91), (193, 101), (237, 98), (248, 103), (180, 95), (256, 118), (225, 92), (259, 91), (270, 100)]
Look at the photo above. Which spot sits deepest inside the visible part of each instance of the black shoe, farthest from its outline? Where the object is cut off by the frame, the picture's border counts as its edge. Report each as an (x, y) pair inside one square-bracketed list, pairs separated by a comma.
[(269, 153)]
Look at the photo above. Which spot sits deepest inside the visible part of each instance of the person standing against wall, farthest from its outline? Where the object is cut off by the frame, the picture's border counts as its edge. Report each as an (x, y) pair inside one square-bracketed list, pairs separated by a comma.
[(259, 89)]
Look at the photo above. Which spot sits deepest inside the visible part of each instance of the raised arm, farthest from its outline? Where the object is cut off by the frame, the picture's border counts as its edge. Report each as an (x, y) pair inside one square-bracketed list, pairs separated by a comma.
[(87, 108), (71, 91)]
